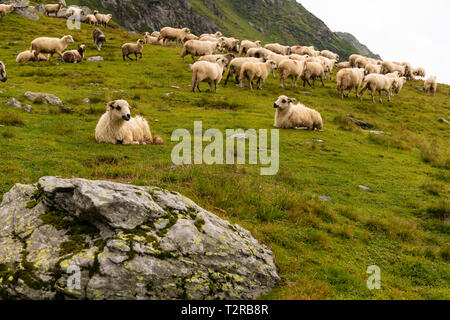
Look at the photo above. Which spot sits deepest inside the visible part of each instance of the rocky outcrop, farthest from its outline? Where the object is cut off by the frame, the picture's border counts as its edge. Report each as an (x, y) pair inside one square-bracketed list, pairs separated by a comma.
[(358, 45), (118, 241)]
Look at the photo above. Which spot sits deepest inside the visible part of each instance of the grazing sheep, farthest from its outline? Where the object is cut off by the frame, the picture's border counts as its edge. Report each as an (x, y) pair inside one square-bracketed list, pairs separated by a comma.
[(290, 68), (379, 82), (229, 44), (343, 65), (258, 53), (98, 38), (408, 71), (3, 76), (29, 56), (256, 70), (298, 57), (420, 72), (213, 58), (236, 65), (389, 67), (189, 36), (328, 65), (205, 71), (91, 19), (430, 86), (5, 9), (278, 48), (247, 44), (199, 48), (313, 70), (117, 127), (74, 56), (399, 86), (372, 68), (290, 116), (52, 8), (173, 34), (136, 48), (361, 62), (302, 50), (352, 59), (330, 55), (102, 19), (50, 45), (216, 35), (349, 79)]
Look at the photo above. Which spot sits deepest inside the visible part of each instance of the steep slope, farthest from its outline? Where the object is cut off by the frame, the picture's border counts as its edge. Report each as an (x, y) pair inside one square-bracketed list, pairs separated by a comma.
[(358, 45)]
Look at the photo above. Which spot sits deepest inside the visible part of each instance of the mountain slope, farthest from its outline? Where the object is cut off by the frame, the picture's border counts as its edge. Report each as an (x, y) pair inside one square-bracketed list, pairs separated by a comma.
[(355, 42)]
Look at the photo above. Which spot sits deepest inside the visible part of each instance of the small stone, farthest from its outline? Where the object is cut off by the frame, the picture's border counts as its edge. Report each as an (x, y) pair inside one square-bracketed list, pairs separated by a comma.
[(168, 94), (365, 188), (420, 88), (318, 140), (27, 108), (325, 199), (13, 102), (443, 120), (175, 87), (378, 133), (165, 109), (86, 101), (47, 97), (95, 59)]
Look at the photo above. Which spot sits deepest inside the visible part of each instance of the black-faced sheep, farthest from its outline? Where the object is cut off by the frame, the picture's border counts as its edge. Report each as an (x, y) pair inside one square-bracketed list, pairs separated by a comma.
[(430, 86), (379, 82), (74, 56), (211, 72), (256, 70), (116, 126), (349, 79), (50, 45), (133, 48), (197, 48), (290, 116), (3, 76), (98, 38)]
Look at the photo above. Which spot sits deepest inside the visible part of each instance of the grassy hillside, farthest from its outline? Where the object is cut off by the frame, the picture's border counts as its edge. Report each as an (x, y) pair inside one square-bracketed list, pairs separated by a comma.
[(322, 249)]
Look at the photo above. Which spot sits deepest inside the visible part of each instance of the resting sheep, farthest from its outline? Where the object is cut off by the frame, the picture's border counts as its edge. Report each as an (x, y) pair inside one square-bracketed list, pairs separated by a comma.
[(173, 34), (205, 71), (278, 48), (135, 48), (98, 38), (5, 9), (290, 116), (29, 56), (50, 45), (236, 65), (3, 76), (290, 68), (74, 56), (379, 82), (148, 39), (247, 44), (52, 8), (102, 19), (349, 79), (313, 70), (256, 70), (199, 48), (430, 86), (117, 127)]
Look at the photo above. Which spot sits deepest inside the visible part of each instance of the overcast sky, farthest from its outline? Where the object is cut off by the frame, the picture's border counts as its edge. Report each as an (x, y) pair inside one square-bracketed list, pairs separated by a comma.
[(415, 31)]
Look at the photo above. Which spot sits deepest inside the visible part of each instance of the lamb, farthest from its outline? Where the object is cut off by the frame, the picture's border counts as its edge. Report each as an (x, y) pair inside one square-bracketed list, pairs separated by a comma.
[(372, 68), (116, 126), (173, 34), (379, 82), (216, 35), (29, 56), (343, 65), (91, 19), (74, 56), (256, 70), (278, 48), (205, 71), (290, 116), (102, 19), (330, 55), (5, 9), (229, 44), (213, 58), (247, 44), (199, 48), (420, 72), (389, 67), (3, 77), (136, 48), (430, 86), (349, 79), (52, 8), (50, 45), (98, 38), (313, 70), (290, 68), (236, 65)]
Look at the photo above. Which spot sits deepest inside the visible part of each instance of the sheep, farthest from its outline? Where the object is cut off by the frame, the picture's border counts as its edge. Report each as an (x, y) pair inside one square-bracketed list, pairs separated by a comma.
[(136, 48), (5, 9), (349, 79), (247, 44), (236, 65), (199, 48), (173, 34), (302, 50), (276, 57), (216, 35), (430, 86), (343, 65), (298, 57), (50, 45), (290, 116), (290, 68), (155, 34), (229, 44), (352, 59), (379, 82), (3, 77), (98, 38), (91, 19), (330, 55), (256, 70), (52, 8), (372, 68), (116, 126), (102, 19), (361, 62), (75, 11), (399, 86), (408, 71), (278, 48), (213, 58), (74, 56), (313, 70), (189, 36), (29, 56), (389, 67), (328, 65), (205, 71), (148, 39), (420, 72), (209, 39), (258, 53)]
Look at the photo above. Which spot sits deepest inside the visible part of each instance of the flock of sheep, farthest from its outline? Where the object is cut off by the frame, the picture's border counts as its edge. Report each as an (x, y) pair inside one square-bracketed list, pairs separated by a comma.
[(246, 61)]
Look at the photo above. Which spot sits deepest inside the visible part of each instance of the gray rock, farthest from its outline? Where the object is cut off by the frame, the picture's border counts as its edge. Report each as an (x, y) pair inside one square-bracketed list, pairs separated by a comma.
[(86, 101), (17, 3), (95, 59), (28, 108), (325, 199), (360, 123), (48, 98), (132, 243), (13, 102), (365, 188), (175, 87), (28, 13), (168, 94), (378, 133), (318, 140), (420, 88)]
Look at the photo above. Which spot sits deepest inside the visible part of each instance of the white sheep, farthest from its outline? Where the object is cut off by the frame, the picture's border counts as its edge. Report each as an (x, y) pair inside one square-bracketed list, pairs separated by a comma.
[(349, 79), (298, 57), (247, 44), (352, 59), (50, 45), (209, 39), (216, 35), (29, 56), (389, 67), (256, 70), (5, 9), (290, 68), (236, 65), (313, 70), (52, 8), (229, 44), (372, 68), (420, 72), (258, 53), (155, 34), (74, 56), (430, 86), (302, 50), (135, 48), (343, 65), (173, 34), (278, 48), (91, 19), (399, 86), (290, 116), (379, 82), (199, 48), (213, 58), (116, 126), (102, 19), (330, 55), (3, 76), (205, 71), (189, 36)]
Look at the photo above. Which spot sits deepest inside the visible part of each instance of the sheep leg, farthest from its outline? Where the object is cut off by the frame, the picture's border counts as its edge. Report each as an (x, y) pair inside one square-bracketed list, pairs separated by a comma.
[(314, 83), (136, 56), (228, 76), (323, 84), (388, 96), (198, 86), (381, 100), (261, 83), (250, 83), (128, 56)]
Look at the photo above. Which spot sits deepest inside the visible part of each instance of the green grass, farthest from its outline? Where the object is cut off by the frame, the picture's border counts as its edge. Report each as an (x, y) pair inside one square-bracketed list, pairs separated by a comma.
[(322, 249)]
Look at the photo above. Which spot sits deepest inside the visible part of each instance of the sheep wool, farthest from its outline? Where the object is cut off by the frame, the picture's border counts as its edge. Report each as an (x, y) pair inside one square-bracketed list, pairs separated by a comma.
[(290, 116)]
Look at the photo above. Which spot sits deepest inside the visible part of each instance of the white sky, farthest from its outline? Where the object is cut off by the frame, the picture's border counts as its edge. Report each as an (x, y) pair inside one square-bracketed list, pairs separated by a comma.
[(415, 31)]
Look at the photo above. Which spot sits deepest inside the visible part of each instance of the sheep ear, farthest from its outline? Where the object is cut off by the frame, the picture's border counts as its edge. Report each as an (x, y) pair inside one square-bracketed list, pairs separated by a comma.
[(292, 100), (109, 105)]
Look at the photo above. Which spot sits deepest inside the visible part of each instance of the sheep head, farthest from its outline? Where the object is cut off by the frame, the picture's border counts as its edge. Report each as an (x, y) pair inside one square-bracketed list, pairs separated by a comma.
[(68, 39), (283, 103), (119, 110)]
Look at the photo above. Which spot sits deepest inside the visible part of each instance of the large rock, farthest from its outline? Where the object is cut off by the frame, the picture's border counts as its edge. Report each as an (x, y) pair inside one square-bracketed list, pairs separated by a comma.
[(127, 242), (28, 13), (46, 97)]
